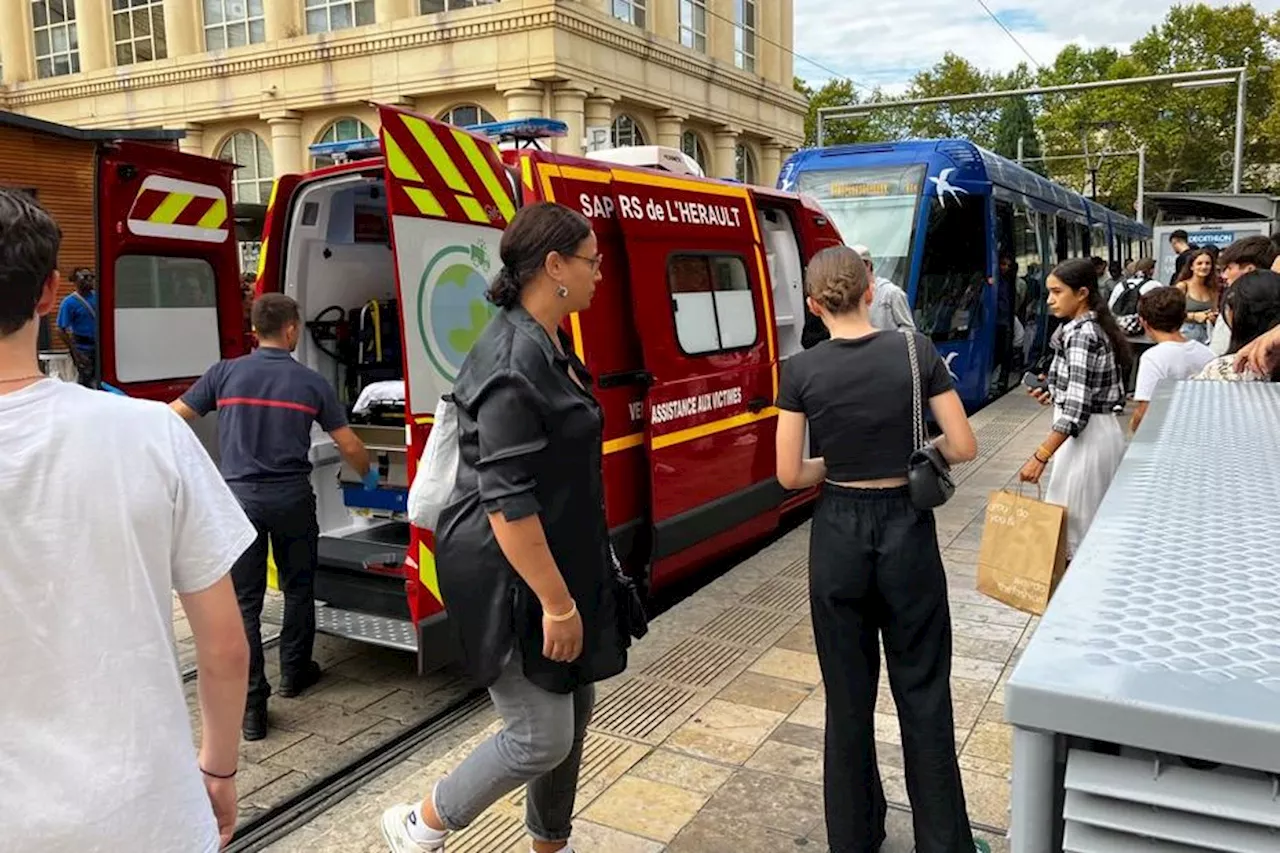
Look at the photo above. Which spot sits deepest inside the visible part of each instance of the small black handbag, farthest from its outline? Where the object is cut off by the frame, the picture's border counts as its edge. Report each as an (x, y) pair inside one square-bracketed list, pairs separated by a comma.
[(630, 605), (928, 473)]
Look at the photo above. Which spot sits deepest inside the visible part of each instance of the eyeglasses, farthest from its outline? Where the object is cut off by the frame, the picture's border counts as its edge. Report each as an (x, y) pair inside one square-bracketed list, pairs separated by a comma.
[(595, 262)]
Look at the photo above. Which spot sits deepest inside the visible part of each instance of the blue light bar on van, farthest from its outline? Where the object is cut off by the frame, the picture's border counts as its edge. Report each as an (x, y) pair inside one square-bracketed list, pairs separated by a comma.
[(345, 152), (522, 129)]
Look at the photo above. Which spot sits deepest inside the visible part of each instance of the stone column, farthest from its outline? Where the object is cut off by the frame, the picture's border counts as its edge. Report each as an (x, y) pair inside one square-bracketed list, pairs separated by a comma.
[(16, 49), (720, 29), (93, 29), (787, 38), (664, 21), (525, 102), (183, 32), (768, 28), (599, 113), (386, 11), (286, 141), (570, 107), (770, 163), (283, 20), (724, 163), (670, 128), (193, 142)]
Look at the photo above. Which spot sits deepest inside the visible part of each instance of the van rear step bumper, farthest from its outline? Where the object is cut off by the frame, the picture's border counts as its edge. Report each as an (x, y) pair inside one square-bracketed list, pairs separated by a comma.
[(364, 627)]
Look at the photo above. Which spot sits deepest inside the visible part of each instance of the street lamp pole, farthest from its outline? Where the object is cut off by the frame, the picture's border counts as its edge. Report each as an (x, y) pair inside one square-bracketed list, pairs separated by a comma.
[(1237, 169)]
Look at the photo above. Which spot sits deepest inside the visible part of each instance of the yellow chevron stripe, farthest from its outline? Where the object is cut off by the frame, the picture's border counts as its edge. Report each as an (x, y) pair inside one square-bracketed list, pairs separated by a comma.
[(435, 151), (473, 208), (425, 200), (497, 189), (262, 257), (427, 571), (214, 217), (171, 208), (397, 161)]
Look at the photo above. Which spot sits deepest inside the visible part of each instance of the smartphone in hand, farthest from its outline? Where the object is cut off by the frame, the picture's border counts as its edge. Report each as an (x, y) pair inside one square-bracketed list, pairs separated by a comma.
[(1033, 381)]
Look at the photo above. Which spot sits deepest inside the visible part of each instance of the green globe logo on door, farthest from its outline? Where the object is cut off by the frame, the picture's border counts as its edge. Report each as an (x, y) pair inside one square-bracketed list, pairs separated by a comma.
[(452, 309)]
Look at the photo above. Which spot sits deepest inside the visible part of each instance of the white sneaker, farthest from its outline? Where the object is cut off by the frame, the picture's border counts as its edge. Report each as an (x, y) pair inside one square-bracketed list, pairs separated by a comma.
[(395, 829)]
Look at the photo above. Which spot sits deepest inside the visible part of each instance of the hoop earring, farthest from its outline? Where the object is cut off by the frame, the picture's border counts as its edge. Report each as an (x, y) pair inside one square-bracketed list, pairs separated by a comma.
[(562, 291)]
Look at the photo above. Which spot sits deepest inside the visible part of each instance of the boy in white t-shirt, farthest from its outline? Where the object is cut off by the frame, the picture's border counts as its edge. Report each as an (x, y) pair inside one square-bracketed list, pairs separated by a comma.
[(109, 503), (1163, 311)]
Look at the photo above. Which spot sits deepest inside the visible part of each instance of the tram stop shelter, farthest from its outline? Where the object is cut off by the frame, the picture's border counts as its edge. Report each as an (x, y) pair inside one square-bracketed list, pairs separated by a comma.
[(1146, 709)]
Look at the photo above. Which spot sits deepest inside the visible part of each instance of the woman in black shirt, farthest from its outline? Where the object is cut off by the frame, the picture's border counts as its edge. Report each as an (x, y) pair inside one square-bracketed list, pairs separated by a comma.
[(522, 549), (874, 565)]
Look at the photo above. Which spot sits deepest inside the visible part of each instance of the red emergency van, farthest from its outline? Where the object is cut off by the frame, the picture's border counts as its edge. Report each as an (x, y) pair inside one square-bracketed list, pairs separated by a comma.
[(156, 226), (701, 300)]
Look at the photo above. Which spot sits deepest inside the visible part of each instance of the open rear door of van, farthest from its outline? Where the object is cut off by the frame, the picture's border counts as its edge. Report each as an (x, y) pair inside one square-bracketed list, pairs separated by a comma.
[(449, 197), (701, 297), (169, 300)]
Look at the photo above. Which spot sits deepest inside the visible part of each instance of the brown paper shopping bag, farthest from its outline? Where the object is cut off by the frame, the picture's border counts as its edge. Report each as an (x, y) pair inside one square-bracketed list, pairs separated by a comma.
[(1024, 551)]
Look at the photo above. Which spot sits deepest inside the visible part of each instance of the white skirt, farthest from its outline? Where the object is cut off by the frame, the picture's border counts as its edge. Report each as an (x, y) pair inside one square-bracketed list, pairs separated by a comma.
[(1082, 472)]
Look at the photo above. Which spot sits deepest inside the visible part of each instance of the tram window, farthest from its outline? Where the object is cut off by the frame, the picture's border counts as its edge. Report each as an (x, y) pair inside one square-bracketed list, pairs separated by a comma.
[(1026, 247), (712, 301), (1081, 236), (954, 271)]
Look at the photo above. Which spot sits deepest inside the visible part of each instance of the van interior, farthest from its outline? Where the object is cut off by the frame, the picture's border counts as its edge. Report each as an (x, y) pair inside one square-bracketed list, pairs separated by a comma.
[(340, 268)]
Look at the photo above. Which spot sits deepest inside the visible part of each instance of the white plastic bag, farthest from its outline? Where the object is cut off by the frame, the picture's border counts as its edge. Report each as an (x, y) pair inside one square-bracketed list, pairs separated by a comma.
[(438, 468)]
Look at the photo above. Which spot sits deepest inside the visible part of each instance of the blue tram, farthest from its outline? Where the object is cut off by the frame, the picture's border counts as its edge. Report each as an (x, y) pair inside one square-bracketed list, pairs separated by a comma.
[(970, 236)]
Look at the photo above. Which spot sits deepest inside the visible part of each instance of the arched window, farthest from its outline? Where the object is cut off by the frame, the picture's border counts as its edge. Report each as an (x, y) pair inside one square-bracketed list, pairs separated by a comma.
[(626, 131), (465, 115), (252, 181), (691, 144), (343, 130), (746, 164)]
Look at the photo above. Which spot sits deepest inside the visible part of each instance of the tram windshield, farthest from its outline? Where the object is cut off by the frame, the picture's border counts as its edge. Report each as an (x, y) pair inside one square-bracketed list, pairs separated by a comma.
[(873, 206)]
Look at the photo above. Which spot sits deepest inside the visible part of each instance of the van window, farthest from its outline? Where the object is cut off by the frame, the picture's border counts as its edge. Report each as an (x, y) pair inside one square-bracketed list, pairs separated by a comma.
[(712, 301), (954, 270), (166, 317)]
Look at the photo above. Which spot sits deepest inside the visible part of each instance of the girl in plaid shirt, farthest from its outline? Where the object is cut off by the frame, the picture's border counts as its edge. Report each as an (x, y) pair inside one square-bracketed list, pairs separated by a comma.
[(1085, 388)]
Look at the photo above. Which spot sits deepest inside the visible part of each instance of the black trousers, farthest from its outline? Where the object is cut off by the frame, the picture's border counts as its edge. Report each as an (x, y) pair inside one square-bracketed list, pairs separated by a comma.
[(86, 361), (875, 571), (285, 515)]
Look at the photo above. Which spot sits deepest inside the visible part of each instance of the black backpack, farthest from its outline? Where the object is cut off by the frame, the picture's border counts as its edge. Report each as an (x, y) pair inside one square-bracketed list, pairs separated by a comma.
[(1127, 302)]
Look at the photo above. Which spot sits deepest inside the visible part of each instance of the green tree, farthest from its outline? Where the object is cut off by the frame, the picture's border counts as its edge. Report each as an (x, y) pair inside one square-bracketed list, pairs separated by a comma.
[(1188, 133), (840, 92), (1017, 123)]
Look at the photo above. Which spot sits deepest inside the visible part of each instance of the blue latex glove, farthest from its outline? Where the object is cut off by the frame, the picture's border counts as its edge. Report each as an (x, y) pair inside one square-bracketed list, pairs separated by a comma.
[(371, 480)]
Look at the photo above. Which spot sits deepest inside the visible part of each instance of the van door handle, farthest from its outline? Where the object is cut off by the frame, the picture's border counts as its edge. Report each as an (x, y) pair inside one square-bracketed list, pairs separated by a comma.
[(757, 404)]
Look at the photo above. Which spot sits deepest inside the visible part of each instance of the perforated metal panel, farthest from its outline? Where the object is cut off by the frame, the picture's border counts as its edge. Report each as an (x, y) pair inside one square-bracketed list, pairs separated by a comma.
[(1165, 633), (1115, 804)]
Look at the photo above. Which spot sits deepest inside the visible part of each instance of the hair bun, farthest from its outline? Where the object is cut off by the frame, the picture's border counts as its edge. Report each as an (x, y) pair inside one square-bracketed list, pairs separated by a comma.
[(505, 289)]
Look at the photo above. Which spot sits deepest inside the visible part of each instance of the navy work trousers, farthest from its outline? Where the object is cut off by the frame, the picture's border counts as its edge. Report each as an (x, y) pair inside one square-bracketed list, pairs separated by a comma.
[(285, 515), (875, 571)]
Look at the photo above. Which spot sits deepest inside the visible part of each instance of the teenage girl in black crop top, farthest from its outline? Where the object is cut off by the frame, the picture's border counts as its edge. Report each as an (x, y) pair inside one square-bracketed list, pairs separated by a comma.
[(874, 565)]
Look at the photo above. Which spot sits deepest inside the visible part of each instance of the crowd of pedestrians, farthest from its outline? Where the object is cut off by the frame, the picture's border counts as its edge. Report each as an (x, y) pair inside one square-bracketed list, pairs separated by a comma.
[(522, 547)]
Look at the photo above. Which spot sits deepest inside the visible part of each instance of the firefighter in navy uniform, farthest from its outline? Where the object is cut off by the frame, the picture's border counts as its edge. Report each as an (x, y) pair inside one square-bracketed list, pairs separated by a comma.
[(267, 402)]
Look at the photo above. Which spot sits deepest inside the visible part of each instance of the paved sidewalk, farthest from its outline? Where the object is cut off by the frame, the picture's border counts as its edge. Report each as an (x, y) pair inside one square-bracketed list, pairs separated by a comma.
[(711, 742)]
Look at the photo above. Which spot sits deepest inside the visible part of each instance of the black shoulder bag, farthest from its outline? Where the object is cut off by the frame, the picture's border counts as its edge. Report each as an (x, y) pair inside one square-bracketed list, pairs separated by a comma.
[(928, 473)]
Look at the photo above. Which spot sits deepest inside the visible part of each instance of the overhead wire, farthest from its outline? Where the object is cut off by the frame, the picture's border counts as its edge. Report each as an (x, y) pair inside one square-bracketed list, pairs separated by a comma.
[(1010, 34), (815, 63)]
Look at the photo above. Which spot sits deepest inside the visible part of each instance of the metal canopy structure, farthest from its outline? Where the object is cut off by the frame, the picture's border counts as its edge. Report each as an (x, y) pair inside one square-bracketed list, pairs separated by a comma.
[(1187, 79), (1215, 207)]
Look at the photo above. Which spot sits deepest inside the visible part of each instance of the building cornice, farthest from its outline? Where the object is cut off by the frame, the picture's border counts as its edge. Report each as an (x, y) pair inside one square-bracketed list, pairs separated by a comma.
[(391, 38)]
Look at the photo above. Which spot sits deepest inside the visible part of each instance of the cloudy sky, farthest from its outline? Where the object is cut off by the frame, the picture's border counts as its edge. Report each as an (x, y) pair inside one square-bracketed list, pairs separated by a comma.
[(885, 42)]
